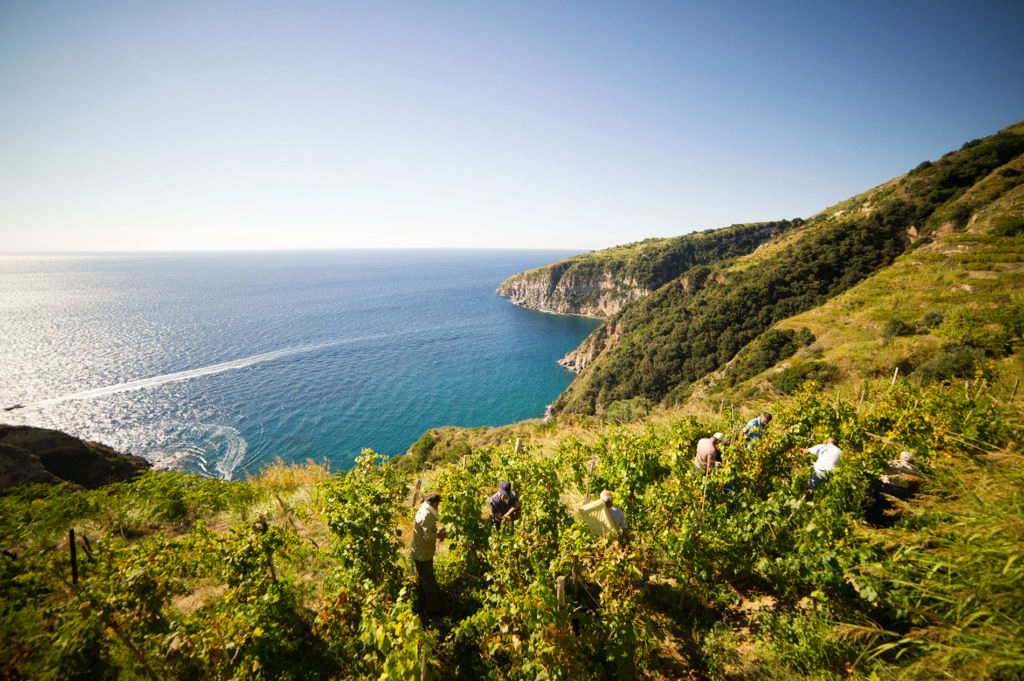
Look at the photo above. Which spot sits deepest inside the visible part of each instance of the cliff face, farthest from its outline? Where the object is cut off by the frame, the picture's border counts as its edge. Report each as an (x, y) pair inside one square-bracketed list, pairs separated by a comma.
[(602, 339), (30, 455), (602, 283), (554, 290)]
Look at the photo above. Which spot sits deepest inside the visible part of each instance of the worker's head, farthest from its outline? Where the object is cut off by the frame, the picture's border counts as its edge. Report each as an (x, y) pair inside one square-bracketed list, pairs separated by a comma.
[(606, 497), (832, 441), (766, 418), (505, 490), (434, 499), (906, 457), (718, 437)]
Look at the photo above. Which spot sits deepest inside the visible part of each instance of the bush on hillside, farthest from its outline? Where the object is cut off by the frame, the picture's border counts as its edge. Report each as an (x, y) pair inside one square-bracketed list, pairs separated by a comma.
[(958, 362), (931, 319), (1008, 225), (898, 327), (790, 379)]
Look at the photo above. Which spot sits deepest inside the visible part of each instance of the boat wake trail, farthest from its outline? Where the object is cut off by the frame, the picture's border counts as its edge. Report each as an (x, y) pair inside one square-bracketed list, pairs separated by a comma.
[(178, 376)]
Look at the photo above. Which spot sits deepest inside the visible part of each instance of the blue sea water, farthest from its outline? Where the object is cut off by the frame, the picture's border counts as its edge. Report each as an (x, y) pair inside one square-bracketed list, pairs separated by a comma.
[(220, 363)]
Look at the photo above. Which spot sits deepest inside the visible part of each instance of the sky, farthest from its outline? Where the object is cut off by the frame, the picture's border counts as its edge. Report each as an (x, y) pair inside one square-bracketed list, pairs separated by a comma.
[(169, 126)]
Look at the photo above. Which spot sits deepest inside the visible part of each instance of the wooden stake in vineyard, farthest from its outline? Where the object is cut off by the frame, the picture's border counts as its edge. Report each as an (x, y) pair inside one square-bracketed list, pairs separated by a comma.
[(74, 556)]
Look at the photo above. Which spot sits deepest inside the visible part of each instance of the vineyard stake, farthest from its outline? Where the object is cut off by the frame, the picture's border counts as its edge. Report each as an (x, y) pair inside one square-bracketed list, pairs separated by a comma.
[(703, 496), (416, 492), (516, 449), (863, 389), (593, 462), (423, 666), (74, 556), (1015, 384), (560, 588), (894, 375)]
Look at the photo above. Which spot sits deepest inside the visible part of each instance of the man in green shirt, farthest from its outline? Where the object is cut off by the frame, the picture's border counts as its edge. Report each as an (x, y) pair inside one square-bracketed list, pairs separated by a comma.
[(425, 535)]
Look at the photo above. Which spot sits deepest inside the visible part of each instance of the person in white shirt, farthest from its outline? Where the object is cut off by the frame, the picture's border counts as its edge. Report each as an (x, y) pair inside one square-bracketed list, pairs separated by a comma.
[(617, 516), (828, 455)]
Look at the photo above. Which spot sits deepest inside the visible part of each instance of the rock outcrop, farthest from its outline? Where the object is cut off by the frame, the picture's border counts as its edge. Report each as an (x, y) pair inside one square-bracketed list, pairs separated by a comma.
[(553, 289), (38, 455)]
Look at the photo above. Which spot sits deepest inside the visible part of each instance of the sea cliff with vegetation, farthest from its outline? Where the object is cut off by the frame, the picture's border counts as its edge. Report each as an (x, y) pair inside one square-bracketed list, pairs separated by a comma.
[(892, 321)]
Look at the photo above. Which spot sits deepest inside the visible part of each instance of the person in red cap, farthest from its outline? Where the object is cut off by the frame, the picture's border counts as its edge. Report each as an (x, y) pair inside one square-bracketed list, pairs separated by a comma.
[(505, 505)]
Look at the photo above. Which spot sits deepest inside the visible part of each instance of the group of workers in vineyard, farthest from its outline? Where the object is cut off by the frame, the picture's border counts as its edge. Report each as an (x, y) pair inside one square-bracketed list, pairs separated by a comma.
[(899, 481)]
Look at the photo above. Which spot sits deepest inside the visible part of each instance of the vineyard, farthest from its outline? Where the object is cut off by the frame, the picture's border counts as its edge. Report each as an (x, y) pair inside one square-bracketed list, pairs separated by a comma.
[(300, 573)]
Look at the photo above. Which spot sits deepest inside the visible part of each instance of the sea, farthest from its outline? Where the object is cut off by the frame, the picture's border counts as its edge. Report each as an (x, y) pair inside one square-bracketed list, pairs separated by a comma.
[(220, 363)]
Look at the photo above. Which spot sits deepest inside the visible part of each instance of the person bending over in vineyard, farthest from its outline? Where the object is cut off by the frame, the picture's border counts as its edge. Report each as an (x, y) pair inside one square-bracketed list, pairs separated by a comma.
[(900, 481), (505, 505), (828, 458), (708, 457), (617, 516), (425, 536), (756, 427)]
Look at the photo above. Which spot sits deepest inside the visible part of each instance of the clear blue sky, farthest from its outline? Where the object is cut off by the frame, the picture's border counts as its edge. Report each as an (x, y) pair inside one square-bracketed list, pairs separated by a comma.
[(205, 125)]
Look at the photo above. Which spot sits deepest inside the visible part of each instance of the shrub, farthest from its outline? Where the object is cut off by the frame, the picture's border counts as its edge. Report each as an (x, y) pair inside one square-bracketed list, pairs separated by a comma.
[(898, 327), (790, 379), (1008, 225), (931, 319), (958, 362)]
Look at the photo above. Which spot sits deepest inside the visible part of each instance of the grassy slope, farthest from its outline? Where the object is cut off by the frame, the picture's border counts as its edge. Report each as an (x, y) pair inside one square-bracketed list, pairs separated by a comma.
[(678, 334)]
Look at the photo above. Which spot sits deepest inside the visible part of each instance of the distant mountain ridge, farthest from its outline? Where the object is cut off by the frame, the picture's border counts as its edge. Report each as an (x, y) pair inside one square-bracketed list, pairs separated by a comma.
[(679, 310)]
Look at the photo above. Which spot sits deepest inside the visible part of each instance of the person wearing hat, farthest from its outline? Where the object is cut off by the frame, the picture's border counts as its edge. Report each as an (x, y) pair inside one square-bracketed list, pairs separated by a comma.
[(425, 536), (505, 505), (708, 455), (617, 516)]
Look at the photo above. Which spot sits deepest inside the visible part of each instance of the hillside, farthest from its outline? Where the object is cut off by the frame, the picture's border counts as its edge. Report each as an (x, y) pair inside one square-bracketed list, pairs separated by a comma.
[(738, 574), (656, 347), (601, 283)]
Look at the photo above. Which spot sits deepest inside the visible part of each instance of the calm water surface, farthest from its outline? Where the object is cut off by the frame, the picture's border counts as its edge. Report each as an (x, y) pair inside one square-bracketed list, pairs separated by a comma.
[(219, 363)]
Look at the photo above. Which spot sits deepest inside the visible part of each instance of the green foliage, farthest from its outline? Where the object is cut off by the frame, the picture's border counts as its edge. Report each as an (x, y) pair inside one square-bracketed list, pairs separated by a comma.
[(955, 362), (931, 319), (361, 508), (675, 336), (790, 379), (898, 327), (1008, 225), (770, 348), (627, 411), (256, 600)]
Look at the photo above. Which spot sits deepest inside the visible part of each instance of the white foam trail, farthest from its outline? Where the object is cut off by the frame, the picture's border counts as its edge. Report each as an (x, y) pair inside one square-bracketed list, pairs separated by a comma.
[(236, 447), (179, 375)]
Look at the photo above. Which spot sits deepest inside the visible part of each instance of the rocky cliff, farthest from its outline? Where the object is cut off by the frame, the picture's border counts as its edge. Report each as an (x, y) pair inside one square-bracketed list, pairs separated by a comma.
[(602, 283), (38, 455), (553, 289)]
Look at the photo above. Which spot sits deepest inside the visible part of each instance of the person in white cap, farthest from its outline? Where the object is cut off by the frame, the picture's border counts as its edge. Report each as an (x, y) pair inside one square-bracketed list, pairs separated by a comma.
[(617, 516), (708, 455)]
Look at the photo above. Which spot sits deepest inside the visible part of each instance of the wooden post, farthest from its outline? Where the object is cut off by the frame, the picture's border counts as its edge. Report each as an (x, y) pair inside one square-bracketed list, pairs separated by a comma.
[(517, 447), (74, 556), (423, 666), (590, 473), (967, 389), (1015, 384), (894, 375), (416, 492), (863, 389), (560, 587)]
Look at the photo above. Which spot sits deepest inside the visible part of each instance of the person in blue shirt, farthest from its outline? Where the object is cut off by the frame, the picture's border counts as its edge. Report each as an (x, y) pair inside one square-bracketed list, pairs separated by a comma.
[(756, 426)]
